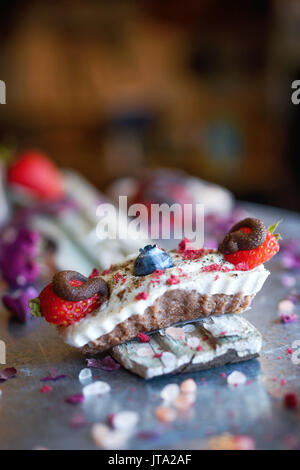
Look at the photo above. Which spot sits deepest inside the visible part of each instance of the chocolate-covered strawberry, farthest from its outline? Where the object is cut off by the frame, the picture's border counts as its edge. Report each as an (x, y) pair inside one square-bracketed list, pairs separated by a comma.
[(62, 309), (249, 243)]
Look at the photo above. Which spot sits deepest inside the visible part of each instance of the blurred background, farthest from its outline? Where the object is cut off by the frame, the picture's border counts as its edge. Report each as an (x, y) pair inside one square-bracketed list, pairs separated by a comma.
[(111, 88)]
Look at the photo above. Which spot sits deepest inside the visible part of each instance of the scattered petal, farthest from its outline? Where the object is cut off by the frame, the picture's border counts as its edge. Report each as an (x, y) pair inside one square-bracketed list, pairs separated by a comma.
[(78, 421), (107, 364), (157, 355), (147, 435), (173, 280), (291, 401), (142, 296), (288, 317), (143, 338), (8, 373), (53, 377), (46, 389), (75, 399)]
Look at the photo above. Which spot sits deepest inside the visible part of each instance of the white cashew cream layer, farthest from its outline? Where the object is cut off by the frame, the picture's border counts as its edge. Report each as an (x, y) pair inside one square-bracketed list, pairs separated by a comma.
[(187, 274)]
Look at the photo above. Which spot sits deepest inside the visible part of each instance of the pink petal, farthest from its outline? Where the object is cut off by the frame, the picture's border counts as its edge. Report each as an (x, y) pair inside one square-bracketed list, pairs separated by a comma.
[(107, 364)]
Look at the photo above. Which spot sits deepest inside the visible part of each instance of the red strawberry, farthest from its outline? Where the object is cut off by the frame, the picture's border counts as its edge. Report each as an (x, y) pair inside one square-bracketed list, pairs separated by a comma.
[(62, 312), (35, 173), (259, 255)]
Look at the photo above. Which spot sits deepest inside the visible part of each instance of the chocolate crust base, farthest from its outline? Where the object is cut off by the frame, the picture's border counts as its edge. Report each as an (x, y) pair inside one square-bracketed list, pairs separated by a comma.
[(172, 307)]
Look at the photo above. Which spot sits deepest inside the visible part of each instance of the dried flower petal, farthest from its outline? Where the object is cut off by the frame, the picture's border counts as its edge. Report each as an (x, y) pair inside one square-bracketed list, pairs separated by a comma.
[(53, 377), (291, 401), (46, 389), (288, 317), (75, 399), (143, 338), (78, 421), (107, 364), (7, 373), (148, 435)]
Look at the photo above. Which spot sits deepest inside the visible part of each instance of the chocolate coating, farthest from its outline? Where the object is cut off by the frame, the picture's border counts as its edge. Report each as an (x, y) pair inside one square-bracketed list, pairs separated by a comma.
[(62, 288), (237, 240)]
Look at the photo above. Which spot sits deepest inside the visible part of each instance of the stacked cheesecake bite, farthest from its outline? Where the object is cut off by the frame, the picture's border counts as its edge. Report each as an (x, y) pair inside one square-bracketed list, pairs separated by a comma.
[(157, 288)]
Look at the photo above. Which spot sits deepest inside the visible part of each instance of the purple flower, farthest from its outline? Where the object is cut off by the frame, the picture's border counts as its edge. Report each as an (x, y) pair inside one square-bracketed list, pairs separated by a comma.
[(78, 421), (18, 302), (290, 261), (19, 248), (288, 281), (288, 317), (290, 254)]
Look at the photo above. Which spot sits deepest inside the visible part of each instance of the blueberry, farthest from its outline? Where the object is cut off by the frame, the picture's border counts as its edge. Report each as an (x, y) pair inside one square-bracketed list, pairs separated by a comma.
[(151, 258)]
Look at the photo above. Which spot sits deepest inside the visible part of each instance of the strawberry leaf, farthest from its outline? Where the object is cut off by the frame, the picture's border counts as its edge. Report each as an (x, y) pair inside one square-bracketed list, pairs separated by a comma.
[(35, 307), (272, 229)]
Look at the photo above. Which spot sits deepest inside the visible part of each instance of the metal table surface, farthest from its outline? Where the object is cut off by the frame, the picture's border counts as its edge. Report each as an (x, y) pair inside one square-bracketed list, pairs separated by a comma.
[(31, 419)]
